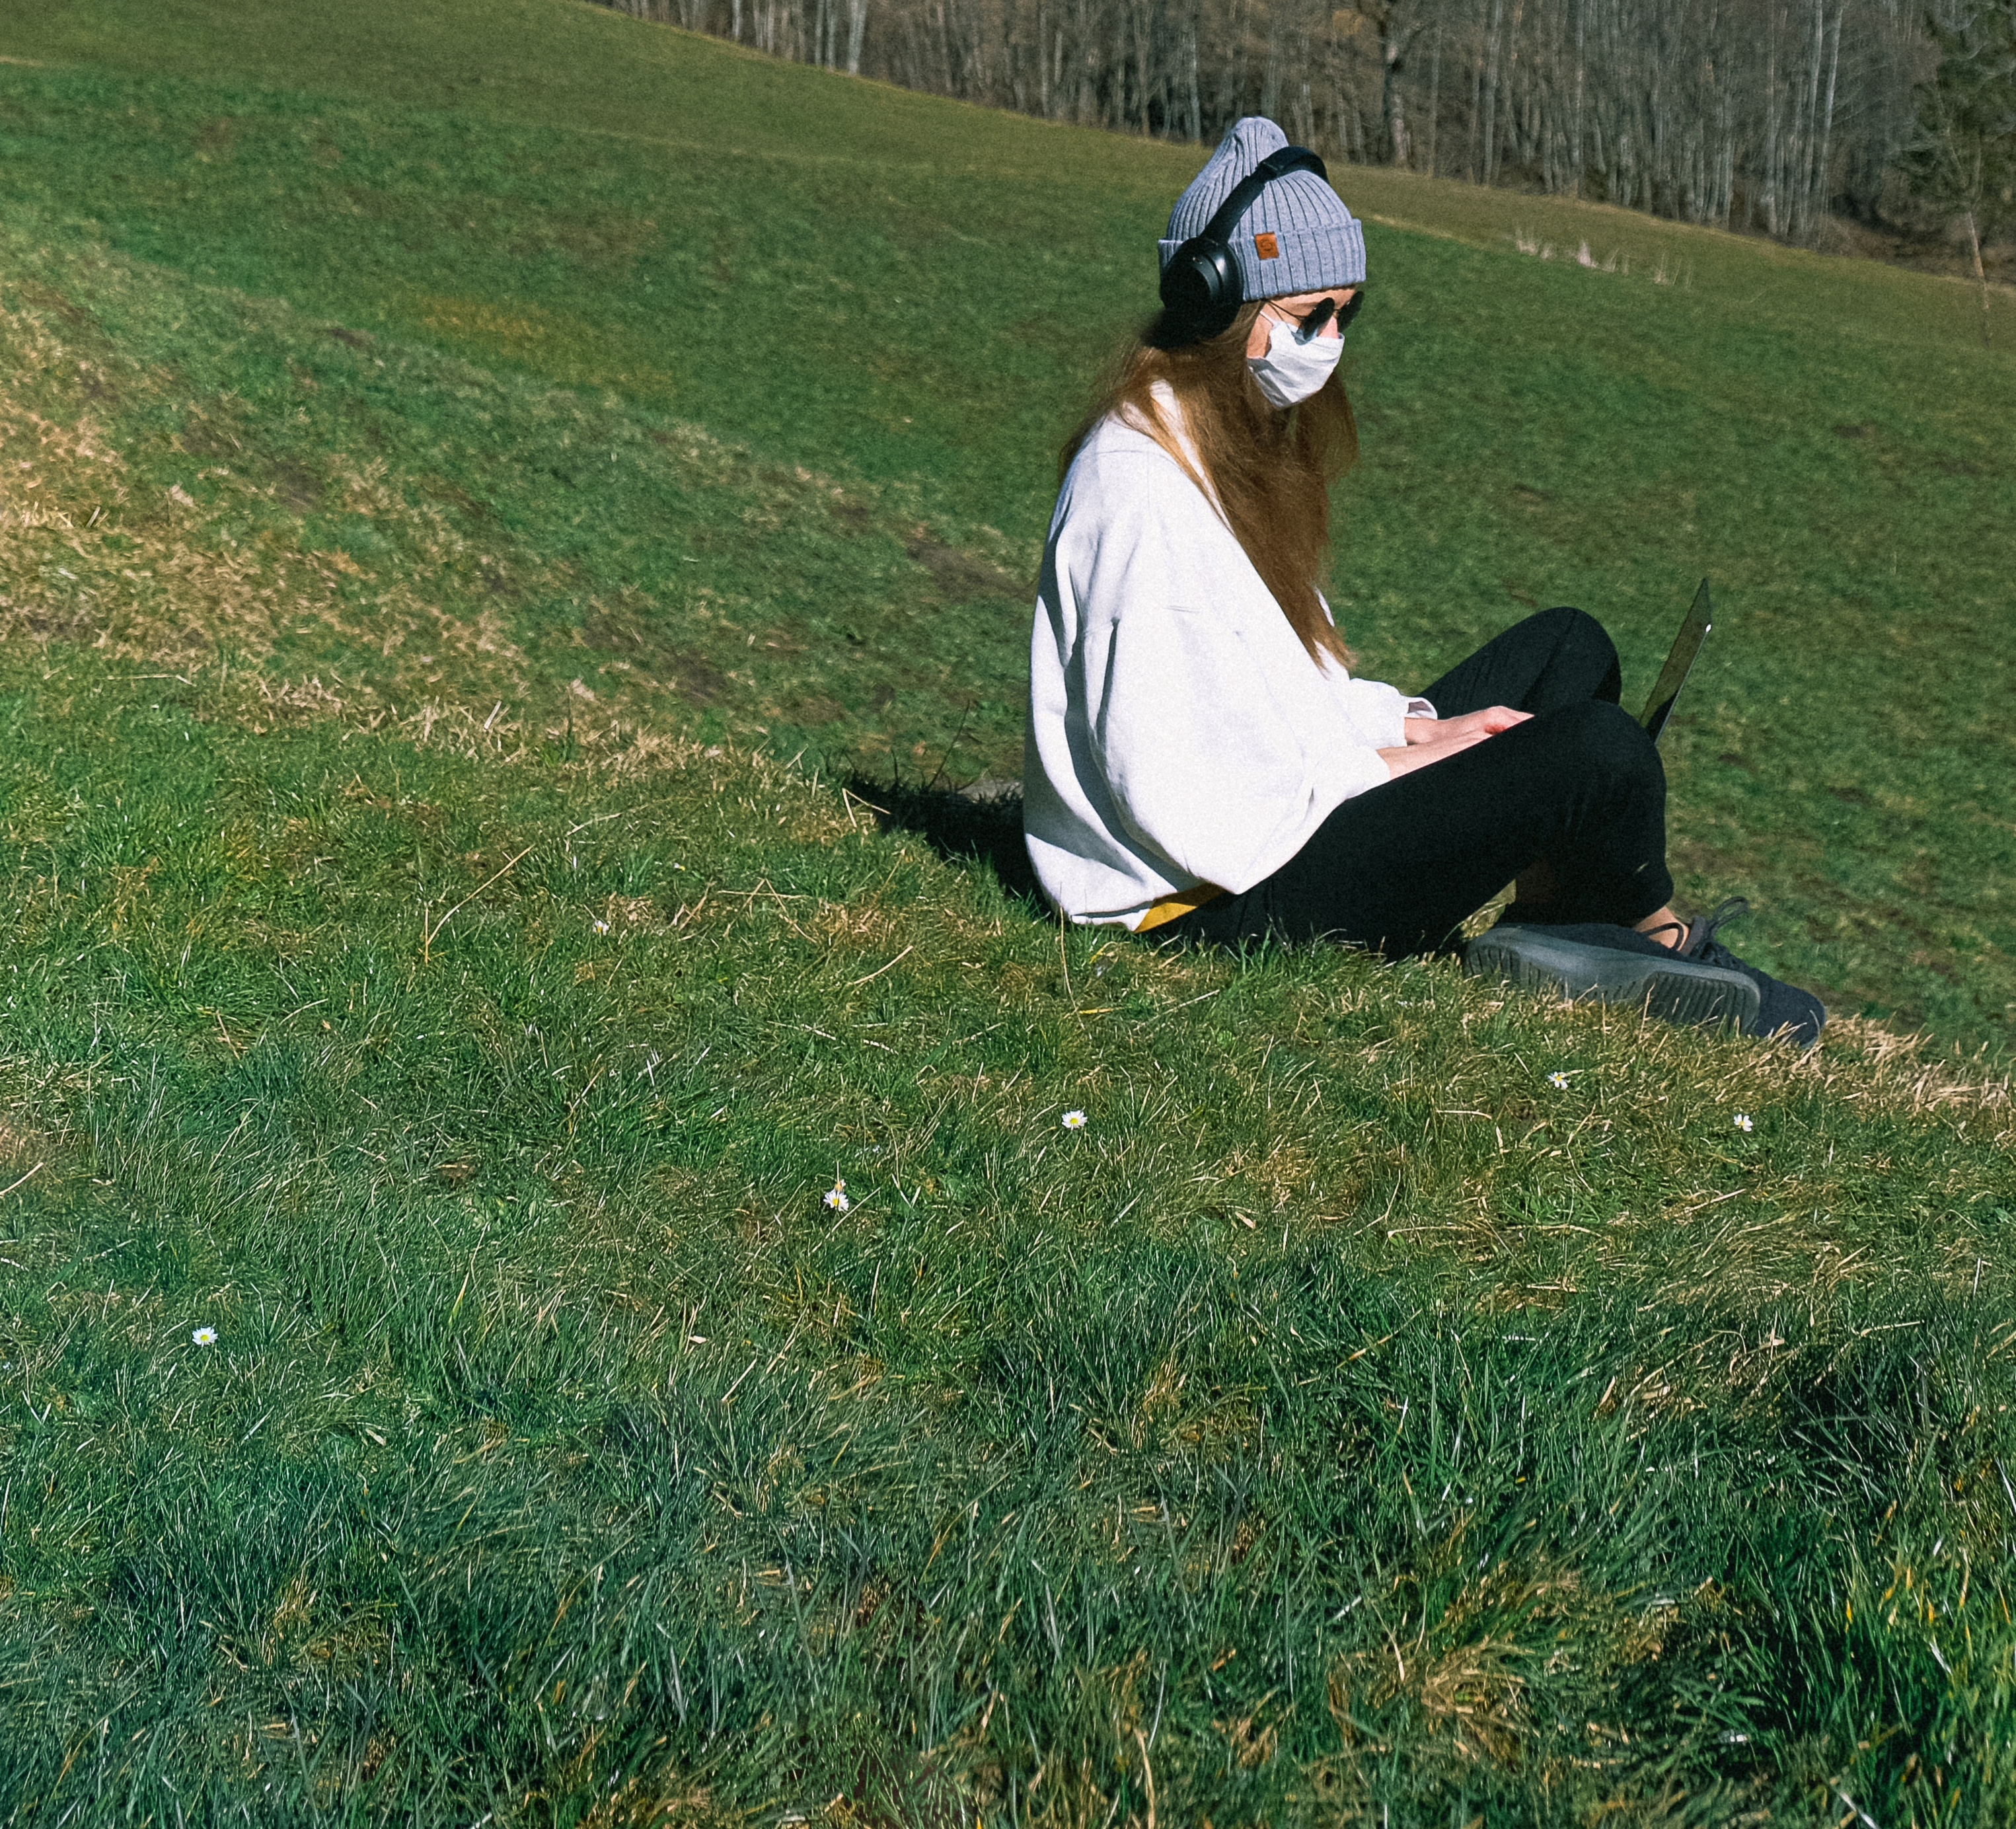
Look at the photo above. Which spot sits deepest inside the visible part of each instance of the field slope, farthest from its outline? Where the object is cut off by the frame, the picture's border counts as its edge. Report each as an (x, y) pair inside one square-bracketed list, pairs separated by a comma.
[(542, 1275)]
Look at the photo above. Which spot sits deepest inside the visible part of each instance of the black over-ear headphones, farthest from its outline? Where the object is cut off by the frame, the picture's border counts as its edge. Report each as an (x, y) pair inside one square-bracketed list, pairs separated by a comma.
[(1201, 288)]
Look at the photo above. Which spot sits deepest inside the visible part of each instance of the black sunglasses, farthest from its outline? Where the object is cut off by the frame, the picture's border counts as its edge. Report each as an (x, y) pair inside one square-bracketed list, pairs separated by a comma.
[(1311, 323)]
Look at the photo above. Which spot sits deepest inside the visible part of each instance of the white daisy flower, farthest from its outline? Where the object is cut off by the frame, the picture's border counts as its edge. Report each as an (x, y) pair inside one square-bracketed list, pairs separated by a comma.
[(1558, 1080), (835, 1197), (1074, 1120), (204, 1337), (602, 927), (1743, 1122)]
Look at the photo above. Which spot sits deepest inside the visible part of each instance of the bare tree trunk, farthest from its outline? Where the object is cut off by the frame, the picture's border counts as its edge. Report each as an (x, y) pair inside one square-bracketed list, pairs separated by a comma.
[(1491, 91), (1116, 101), (1980, 279), (1197, 113), (1769, 201), (1824, 186), (1808, 175), (1270, 80), (1472, 169), (1142, 62), (1434, 98), (1042, 64), (1393, 104), (1512, 75), (1580, 84)]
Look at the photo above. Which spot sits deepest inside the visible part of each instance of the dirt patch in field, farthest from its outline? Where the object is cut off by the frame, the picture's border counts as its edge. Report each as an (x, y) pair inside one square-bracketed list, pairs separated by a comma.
[(961, 575)]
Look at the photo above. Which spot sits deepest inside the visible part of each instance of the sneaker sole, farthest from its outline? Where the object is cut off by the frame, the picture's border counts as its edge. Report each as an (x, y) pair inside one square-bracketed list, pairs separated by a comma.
[(1675, 991)]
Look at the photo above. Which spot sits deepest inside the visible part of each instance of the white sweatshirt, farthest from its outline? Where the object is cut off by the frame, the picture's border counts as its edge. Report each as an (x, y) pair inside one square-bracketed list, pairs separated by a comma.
[(1180, 732)]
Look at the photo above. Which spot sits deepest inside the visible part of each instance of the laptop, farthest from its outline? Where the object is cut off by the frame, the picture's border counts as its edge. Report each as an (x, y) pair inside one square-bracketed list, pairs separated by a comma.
[(1693, 631)]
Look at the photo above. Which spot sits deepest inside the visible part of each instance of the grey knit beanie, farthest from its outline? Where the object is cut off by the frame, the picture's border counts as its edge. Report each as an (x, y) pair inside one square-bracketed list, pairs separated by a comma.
[(1295, 236)]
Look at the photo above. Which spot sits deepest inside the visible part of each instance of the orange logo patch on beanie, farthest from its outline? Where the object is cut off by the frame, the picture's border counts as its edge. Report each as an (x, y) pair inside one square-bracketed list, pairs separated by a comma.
[(1267, 247)]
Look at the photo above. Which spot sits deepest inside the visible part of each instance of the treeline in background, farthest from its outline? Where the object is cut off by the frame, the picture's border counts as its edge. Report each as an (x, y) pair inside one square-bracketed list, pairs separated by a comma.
[(1786, 117)]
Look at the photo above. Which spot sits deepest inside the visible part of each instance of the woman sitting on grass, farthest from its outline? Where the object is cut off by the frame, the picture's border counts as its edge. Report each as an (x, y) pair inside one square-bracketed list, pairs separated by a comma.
[(1201, 763)]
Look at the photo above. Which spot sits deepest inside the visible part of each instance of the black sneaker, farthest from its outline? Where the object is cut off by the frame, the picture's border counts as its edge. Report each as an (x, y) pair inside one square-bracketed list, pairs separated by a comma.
[(1782, 1008), (1616, 965), (1700, 981)]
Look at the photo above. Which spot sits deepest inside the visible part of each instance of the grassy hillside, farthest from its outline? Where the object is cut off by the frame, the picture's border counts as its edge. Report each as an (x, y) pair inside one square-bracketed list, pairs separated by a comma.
[(1396, 1396), (889, 291), (1397, 1402)]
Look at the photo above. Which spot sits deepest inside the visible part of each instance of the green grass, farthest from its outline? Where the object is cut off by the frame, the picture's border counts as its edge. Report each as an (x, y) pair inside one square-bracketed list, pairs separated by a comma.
[(427, 967), (558, 1438)]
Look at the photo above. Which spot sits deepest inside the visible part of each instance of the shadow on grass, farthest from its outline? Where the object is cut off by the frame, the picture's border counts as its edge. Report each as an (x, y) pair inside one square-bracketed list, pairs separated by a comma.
[(980, 823)]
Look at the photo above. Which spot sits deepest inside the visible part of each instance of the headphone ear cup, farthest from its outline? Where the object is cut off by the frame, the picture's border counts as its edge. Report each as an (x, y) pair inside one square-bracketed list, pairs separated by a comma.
[(1189, 281), (1201, 287)]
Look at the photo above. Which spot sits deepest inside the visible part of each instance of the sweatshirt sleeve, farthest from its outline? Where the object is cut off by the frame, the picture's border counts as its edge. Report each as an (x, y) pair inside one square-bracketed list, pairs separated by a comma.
[(1204, 764), (1379, 711)]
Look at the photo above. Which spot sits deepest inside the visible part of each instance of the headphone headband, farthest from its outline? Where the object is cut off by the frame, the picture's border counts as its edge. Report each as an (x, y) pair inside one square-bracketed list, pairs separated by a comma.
[(1224, 219), (1202, 288)]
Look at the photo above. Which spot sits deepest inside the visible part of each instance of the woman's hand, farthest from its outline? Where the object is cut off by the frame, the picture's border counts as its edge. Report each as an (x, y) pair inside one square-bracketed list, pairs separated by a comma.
[(1490, 721), (1430, 740)]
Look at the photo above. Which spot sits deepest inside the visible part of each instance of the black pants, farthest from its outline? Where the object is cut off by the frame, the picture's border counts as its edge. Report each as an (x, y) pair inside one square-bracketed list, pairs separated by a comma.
[(1399, 868)]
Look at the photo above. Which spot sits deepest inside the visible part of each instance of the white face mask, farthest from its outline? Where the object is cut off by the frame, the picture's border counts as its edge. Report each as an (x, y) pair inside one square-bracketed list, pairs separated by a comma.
[(1292, 370)]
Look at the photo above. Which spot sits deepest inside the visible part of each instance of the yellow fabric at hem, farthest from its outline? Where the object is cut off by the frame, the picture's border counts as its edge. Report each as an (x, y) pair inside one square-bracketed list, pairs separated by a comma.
[(1181, 903)]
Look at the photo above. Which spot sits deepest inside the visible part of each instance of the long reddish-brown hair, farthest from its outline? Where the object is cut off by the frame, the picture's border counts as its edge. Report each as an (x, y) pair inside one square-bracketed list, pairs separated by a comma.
[(1270, 470)]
